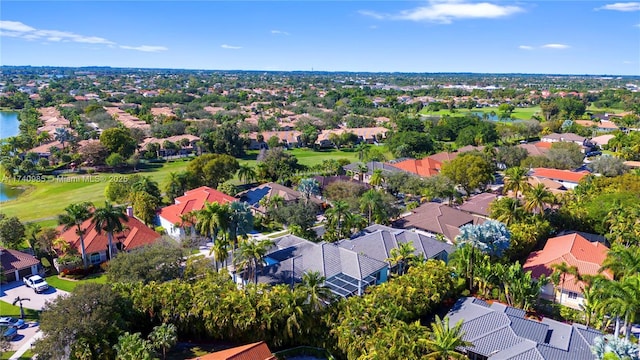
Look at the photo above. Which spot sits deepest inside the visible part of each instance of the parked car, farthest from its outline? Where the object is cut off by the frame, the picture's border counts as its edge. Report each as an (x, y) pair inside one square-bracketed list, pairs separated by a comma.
[(8, 332), (11, 322), (594, 153), (37, 283)]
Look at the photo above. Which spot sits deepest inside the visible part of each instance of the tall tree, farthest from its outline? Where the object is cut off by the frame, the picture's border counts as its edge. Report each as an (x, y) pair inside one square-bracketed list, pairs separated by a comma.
[(537, 198), (109, 219), (309, 187), (471, 171), (516, 180), (164, 337), (75, 215), (560, 272), (401, 256), (445, 340), (318, 294), (250, 255), (246, 173)]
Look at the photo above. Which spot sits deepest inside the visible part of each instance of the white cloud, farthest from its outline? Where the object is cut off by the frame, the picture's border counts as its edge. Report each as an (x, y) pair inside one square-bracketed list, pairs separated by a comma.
[(231, 47), (18, 29), (555, 46), (627, 62), (145, 48), (525, 47), (445, 11), (279, 32), (637, 25), (623, 6), (15, 26)]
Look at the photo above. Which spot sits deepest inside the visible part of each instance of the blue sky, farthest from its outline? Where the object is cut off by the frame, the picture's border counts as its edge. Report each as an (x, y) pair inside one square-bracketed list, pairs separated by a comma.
[(564, 37)]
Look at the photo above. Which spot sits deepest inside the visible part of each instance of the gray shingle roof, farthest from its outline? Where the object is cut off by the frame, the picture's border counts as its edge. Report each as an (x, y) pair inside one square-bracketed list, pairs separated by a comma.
[(503, 333), (377, 241), (292, 256)]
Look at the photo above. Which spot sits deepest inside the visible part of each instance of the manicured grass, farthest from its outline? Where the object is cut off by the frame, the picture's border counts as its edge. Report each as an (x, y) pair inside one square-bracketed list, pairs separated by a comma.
[(518, 113), (28, 355), (7, 309), (192, 351), (597, 110), (6, 355), (70, 285), (45, 200)]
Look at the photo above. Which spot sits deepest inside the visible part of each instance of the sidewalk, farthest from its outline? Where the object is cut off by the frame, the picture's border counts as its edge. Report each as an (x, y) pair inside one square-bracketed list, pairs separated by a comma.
[(26, 346)]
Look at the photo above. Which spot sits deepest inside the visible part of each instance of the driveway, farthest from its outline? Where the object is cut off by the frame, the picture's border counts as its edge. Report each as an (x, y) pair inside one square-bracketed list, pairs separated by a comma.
[(25, 334), (9, 292)]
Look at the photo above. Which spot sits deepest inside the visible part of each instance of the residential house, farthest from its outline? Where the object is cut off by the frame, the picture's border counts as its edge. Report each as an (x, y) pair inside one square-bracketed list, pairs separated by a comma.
[(288, 139), (17, 264), (424, 167), (255, 351), (44, 150), (536, 149), (356, 170), (565, 137), (601, 140), (568, 179), (599, 125), (479, 204), (500, 332), (441, 157), (254, 196), (574, 250), (347, 272), (170, 217), (377, 241), (369, 135), (135, 234), (437, 220), (176, 139)]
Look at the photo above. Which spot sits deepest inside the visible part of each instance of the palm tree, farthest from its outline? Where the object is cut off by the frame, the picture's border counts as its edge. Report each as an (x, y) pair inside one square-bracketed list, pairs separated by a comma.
[(212, 219), (240, 221), (250, 254), (507, 210), (516, 180), (560, 271), (371, 201), (362, 149), (537, 198), (444, 340), (220, 251), (376, 178), (401, 256), (164, 337), (109, 218), (624, 300), (63, 135), (246, 173), (75, 215), (338, 217), (622, 261), (19, 300), (318, 294)]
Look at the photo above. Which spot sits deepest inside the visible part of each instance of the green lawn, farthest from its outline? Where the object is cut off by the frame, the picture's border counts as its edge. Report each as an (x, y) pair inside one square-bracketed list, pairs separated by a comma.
[(7, 309), (518, 113), (43, 201), (70, 285), (597, 110)]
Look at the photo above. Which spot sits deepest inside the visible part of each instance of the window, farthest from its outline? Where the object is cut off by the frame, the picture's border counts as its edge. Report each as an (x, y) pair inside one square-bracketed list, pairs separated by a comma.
[(95, 258), (572, 295)]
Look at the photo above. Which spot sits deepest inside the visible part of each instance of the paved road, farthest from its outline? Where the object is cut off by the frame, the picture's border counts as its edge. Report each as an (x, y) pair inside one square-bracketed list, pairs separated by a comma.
[(8, 293)]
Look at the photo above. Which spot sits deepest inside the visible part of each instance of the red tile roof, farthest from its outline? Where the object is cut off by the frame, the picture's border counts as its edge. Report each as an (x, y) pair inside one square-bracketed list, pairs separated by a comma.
[(255, 351), (13, 260), (194, 200), (562, 175), (135, 234), (572, 249), (424, 167)]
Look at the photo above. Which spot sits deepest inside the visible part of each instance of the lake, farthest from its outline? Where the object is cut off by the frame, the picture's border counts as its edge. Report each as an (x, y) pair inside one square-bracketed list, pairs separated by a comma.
[(8, 192), (9, 124)]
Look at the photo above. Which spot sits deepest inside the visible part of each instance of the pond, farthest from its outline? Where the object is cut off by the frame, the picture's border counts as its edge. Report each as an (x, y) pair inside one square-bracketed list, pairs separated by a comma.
[(9, 192), (9, 124)]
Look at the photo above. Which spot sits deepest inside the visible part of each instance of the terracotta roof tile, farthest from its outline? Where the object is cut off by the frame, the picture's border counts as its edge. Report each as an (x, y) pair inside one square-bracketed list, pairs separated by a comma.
[(424, 167), (255, 351), (12, 260), (193, 200), (562, 175), (572, 249), (135, 234)]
